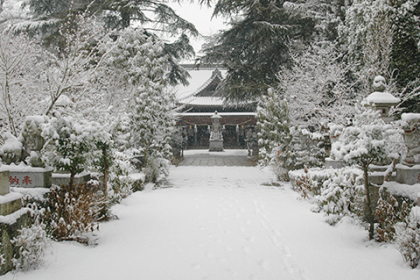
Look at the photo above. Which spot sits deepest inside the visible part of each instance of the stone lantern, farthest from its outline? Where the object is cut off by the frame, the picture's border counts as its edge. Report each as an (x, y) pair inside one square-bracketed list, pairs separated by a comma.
[(380, 99), (216, 137)]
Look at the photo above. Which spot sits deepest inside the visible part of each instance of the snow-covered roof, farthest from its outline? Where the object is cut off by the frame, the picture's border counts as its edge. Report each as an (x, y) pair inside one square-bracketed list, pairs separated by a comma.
[(410, 117), (381, 98), (203, 100), (197, 80)]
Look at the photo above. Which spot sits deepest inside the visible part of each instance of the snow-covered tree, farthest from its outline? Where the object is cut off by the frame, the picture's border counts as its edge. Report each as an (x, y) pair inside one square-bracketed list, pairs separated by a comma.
[(19, 80), (156, 16), (369, 140), (137, 64), (273, 126), (368, 36), (72, 67), (256, 45), (316, 87)]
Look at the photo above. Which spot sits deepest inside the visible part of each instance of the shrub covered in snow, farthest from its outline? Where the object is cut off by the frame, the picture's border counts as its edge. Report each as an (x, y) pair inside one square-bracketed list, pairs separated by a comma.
[(389, 212), (407, 237), (368, 141), (336, 192), (273, 127), (73, 211), (306, 149), (31, 245), (121, 182), (11, 150)]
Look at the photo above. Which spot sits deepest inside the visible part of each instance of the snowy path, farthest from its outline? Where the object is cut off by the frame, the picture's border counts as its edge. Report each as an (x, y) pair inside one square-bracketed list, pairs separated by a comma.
[(222, 223)]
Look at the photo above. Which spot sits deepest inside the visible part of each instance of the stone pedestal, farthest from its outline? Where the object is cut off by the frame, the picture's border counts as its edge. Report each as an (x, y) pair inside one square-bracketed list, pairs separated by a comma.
[(9, 202), (4, 182), (216, 145), (30, 177), (60, 179), (216, 138), (408, 175)]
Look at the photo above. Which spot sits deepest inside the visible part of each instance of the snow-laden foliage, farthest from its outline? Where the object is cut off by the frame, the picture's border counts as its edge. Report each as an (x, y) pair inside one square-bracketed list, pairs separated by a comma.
[(407, 237), (389, 212), (139, 65), (31, 244), (306, 149), (76, 143), (72, 67), (316, 87), (336, 192), (11, 150), (368, 140), (20, 75), (121, 182), (273, 127), (368, 37), (72, 212)]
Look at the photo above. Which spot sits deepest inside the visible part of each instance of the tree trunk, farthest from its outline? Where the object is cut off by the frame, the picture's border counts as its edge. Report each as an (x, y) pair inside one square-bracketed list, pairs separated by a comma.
[(72, 175), (368, 202)]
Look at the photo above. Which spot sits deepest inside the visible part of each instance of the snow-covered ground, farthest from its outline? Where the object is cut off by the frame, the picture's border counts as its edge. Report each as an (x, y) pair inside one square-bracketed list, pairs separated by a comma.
[(222, 223)]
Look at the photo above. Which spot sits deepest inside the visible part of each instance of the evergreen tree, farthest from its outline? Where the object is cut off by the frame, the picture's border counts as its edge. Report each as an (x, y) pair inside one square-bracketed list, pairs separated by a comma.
[(367, 34), (405, 50), (256, 45), (273, 127), (140, 64), (156, 17)]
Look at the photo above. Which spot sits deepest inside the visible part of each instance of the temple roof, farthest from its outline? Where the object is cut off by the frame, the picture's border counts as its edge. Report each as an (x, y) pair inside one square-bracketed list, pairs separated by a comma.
[(204, 95), (200, 95)]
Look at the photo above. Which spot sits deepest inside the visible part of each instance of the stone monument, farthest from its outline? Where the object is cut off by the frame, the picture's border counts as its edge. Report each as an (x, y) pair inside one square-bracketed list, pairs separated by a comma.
[(380, 99), (409, 171), (216, 137)]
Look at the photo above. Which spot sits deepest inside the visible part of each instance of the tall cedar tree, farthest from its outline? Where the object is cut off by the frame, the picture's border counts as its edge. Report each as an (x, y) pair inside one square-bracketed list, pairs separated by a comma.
[(256, 45), (405, 50), (154, 15)]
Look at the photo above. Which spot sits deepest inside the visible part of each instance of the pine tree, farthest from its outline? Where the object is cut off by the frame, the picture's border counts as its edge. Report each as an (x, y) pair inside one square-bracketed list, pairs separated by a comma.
[(405, 51), (154, 16), (256, 45), (273, 127), (367, 34)]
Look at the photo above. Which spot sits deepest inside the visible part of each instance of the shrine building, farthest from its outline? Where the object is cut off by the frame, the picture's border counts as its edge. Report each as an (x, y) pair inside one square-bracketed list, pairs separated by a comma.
[(199, 101)]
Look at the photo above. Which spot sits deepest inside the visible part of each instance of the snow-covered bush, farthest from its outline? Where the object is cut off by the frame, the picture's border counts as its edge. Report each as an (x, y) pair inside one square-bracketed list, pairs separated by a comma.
[(273, 127), (31, 245), (336, 192), (342, 195), (306, 149), (76, 143), (389, 212), (368, 141), (121, 182), (407, 237), (11, 150), (73, 211)]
